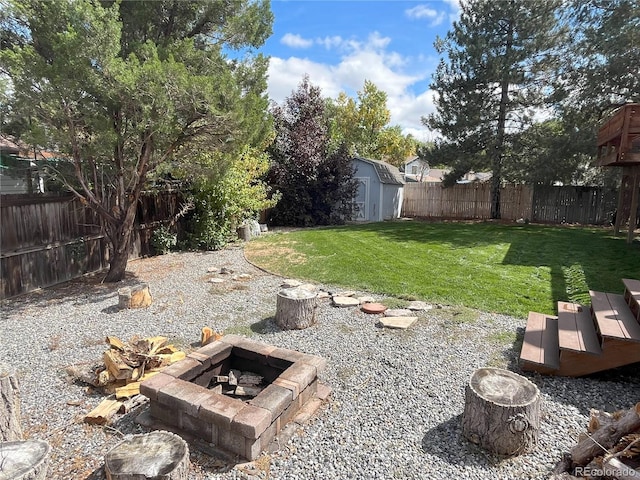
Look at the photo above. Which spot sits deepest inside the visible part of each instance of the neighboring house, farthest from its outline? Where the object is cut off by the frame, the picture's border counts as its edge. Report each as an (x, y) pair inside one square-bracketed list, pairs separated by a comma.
[(380, 190), (416, 170), (18, 168)]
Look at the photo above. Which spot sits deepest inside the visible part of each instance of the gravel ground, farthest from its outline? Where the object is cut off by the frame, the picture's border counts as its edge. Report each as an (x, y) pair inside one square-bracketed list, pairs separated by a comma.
[(397, 395)]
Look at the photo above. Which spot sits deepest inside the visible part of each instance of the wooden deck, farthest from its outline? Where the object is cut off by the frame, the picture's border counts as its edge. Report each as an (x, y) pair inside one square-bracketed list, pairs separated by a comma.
[(632, 295), (613, 317), (583, 340), (576, 331), (540, 345)]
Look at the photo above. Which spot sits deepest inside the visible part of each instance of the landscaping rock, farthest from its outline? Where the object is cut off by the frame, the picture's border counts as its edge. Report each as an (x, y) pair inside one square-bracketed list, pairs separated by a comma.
[(290, 283), (216, 280), (419, 306), (340, 301), (345, 294), (401, 323), (373, 308)]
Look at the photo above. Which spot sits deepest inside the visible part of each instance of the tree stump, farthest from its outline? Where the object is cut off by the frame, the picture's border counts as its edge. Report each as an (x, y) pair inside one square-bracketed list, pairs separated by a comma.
[(10, 429), (501, 412), (137, 296), (27, 460), (157, 455), (296, 308)]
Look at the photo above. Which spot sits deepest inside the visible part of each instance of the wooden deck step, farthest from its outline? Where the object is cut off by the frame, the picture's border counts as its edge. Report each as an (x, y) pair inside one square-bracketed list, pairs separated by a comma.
[(540, 345), (613, 316), (576, 330), (632, 295)]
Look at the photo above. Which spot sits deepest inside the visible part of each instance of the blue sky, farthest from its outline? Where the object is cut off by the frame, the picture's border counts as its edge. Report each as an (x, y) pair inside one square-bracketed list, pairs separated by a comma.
[(341, 43)]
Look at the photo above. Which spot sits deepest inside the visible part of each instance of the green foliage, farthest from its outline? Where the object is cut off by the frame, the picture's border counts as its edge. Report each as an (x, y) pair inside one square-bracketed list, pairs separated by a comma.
[(125, 89), (498, 60), (317, 187), (231, 193), (363, 126), (163, 240)]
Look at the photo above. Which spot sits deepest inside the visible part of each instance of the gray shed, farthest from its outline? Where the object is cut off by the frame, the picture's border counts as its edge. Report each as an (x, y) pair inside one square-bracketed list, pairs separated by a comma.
[(380, 190)]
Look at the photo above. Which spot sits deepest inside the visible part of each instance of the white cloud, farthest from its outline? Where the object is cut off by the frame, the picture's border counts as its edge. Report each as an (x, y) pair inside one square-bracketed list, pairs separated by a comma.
[(425, 12), (361, 60), (295, 41)]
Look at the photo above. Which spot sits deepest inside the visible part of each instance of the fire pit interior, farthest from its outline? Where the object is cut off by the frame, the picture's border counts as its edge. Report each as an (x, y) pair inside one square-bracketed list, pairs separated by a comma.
[(235, 393)]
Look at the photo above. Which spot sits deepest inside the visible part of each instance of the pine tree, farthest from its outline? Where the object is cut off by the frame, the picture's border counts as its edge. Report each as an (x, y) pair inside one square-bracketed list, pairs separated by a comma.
[(494, 78)]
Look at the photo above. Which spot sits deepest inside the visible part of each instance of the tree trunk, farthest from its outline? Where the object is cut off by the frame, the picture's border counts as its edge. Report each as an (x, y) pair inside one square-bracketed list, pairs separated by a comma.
[(26, 460), (501, 412), (10, 429), (157, 455), (296, 308)]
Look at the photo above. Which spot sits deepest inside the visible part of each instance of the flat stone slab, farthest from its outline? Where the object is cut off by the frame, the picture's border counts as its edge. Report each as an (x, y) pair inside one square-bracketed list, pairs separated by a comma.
[(290, 283), (401, 323), (398, 312), (345, 301), (419, 306), (346, 294)]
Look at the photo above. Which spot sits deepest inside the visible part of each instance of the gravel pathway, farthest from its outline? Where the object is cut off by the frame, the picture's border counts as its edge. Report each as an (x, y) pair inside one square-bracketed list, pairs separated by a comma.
[(397, 395)]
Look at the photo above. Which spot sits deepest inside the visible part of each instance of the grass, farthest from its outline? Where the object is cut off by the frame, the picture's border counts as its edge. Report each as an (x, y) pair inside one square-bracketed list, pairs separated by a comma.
[(493, 267)]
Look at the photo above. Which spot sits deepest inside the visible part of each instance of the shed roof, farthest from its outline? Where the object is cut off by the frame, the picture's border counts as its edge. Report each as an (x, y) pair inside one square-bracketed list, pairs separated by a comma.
[(387, 173)]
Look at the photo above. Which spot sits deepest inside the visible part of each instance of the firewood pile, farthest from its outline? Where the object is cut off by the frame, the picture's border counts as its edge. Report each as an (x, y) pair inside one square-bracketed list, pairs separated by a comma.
[(240, 384), (609, 450), (125, 365)]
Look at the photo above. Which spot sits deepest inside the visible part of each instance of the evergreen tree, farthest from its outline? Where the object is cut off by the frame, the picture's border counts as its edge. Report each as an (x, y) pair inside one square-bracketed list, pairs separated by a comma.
[(493, 79), (124, 88)]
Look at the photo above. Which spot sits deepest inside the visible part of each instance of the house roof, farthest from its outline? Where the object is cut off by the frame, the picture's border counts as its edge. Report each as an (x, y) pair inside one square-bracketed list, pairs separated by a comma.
[(386, 172)]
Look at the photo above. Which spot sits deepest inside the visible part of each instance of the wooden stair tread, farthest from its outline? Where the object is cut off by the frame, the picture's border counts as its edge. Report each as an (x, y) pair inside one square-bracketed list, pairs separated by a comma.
[(613, 316), (540, 344), (632, 295), (576, 330)]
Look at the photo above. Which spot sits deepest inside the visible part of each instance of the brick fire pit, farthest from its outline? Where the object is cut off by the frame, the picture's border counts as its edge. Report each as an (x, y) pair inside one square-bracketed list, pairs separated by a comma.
[(179, 396)]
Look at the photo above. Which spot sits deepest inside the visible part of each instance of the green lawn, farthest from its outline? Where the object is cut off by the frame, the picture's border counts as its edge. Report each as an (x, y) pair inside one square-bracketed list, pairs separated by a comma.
[(488, 266)]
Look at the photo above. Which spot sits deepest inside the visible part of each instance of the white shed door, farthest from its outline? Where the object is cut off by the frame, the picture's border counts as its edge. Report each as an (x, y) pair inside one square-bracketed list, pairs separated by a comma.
[(362, 199)]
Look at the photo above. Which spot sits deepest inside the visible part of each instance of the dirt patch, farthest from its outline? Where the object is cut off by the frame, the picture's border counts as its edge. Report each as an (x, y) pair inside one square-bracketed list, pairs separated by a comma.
[(271, 256), (154, 267)]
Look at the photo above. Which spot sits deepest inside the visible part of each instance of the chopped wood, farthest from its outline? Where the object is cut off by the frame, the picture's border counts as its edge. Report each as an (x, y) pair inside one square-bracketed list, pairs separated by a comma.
[(233, 377), (605, 434), (115, 342), (103, 412), (217, 389), (167, 349), (128, 390), (248, 378), (221, 379), (615, 468), (247, 391), (132, 403), (105, 377), (208, 335), (156, 343), (169, 358), (116, 365)]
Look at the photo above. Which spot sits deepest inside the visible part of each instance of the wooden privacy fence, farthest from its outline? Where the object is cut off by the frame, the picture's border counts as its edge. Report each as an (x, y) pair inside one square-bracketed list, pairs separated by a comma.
[(466, 201), (541, 204), (45, 240)]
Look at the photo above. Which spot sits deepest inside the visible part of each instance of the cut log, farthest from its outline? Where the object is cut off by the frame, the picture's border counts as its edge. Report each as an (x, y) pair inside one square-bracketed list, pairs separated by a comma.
[(115, 364), (296, 308), (501, 412), (137, 296), (103, 412), (10, 429), (27, 460), (132, 403), (157, 455), (606, 430), (115, 342)]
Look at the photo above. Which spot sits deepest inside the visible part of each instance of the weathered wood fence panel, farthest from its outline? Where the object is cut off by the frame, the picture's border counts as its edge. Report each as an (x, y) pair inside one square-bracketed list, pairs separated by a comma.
[(467, 201), (45, 240), (539, 203)]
